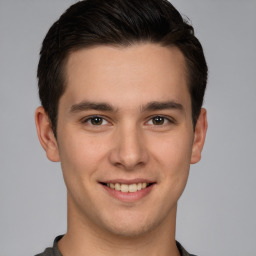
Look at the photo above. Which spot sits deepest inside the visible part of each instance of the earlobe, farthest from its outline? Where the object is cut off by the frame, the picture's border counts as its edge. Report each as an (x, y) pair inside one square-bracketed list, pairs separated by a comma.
[(46, 135), (199, 136)]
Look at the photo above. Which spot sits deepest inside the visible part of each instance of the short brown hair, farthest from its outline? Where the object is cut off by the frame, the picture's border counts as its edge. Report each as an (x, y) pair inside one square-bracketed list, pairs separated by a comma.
[(117, 22)]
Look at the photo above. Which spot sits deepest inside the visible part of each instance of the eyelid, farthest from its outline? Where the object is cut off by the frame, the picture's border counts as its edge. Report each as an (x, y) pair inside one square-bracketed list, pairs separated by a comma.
[(88, 118), (168, 118)]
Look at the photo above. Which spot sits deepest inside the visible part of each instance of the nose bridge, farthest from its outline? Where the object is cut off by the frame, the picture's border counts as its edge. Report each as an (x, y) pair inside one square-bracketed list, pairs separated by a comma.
[(129, 148)]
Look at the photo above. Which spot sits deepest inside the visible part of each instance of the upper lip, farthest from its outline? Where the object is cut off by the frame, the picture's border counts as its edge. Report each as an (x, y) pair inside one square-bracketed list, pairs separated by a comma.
[(128, 182)]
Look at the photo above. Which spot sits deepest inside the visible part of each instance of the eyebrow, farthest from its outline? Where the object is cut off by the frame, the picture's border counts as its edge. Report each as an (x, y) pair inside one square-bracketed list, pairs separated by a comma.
[(156, 105), (86, 105), (151, 106)]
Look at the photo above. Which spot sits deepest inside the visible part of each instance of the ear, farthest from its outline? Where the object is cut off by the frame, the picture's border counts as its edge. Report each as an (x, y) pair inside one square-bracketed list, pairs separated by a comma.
[(199, 136), (46, 135)]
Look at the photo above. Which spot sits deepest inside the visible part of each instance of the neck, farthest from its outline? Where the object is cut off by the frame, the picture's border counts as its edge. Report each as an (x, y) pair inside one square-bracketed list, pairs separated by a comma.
[(84, 238)]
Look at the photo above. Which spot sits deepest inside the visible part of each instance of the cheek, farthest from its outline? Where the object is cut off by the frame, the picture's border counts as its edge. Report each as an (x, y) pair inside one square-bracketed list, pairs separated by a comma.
[(80, 154), (173, 150), (81, 157), (173, 156)]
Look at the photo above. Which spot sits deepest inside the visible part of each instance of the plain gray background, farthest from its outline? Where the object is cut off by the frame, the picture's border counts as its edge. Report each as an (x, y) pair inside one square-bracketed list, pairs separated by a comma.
[(217, 212)]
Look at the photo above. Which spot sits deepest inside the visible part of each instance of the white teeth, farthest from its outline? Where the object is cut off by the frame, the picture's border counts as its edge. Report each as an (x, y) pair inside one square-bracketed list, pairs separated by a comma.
[(127, 188), (117, 186), (132, 188), (124, 188)]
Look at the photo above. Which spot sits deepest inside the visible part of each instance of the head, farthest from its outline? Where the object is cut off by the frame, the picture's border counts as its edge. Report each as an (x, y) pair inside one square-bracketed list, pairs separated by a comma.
[(122, 84), (118, 23)]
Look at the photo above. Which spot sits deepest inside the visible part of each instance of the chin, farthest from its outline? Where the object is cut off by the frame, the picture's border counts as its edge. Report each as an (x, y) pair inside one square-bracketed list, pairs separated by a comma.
[(130, 231), (131, 226)]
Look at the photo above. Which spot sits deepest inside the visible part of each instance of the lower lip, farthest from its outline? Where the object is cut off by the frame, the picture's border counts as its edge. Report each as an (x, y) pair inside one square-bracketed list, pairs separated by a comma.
[(129, 196)]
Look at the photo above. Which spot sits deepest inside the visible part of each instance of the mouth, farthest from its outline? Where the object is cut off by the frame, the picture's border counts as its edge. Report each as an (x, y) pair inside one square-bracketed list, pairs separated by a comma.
[(128, 188)]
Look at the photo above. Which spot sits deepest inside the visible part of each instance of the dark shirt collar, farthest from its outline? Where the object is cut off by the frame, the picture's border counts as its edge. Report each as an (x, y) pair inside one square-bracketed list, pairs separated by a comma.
[(56, 251)]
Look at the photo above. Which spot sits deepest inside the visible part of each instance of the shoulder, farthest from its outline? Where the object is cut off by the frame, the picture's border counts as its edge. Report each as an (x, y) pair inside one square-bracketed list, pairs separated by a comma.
[(52, 251), (47, 252), (182, 250)]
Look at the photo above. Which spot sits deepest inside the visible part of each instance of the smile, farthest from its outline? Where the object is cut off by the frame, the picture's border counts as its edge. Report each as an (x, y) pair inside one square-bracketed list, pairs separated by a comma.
[(128, 190), (132, 188)]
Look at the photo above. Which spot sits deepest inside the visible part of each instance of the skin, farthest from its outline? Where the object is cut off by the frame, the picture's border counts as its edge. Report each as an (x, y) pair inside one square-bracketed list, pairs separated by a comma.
[(126, 144)]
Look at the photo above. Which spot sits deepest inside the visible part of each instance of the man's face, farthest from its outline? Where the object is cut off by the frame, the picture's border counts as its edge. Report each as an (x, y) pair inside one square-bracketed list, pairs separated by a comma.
[(124, 123)]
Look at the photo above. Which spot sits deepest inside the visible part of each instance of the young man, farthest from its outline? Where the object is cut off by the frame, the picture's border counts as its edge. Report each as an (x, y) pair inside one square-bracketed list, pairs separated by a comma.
[(121, 84)]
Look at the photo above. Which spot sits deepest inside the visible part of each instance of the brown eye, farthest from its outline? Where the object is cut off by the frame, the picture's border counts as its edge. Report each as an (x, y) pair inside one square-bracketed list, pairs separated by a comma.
[(158, 120), (96, 120)]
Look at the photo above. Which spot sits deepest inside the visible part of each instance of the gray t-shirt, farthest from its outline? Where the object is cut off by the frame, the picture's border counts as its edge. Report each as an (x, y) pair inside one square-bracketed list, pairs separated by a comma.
[(54, 251)]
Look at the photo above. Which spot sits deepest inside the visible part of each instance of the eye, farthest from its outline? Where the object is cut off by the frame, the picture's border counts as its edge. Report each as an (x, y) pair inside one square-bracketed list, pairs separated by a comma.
[(95, 120), (159, 120)]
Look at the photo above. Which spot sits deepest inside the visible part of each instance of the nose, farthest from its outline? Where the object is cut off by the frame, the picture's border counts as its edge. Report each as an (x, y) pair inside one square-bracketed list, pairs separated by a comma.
[(129, 150)]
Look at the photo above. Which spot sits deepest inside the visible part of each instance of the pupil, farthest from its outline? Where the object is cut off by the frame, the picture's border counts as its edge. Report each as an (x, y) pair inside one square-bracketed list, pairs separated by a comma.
[(96, 120), (158, 120)]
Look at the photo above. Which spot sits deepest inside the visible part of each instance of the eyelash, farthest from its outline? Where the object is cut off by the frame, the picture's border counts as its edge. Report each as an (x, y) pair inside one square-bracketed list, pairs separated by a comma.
[(166, 119), (89, 119)]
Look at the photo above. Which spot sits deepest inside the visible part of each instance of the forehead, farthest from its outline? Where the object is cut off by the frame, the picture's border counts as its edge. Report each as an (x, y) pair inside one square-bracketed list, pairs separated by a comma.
[(110, 72)]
